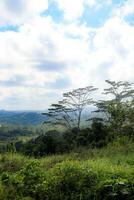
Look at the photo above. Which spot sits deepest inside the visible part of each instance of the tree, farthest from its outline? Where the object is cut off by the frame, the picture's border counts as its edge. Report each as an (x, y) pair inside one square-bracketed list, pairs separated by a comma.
[(11, 147), (68, 112), (59, 115), (117, 110)]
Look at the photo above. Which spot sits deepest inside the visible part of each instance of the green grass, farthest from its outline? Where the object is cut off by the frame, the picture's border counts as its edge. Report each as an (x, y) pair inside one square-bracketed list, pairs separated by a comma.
[(114, 155), (98, 174)]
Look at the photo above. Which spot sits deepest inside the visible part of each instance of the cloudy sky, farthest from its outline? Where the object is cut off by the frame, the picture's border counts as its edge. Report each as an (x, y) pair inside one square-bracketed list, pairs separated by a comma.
[(51, 46)]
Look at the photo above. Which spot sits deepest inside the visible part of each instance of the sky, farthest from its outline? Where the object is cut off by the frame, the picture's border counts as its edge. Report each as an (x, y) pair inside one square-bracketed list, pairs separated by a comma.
[(48, 47)]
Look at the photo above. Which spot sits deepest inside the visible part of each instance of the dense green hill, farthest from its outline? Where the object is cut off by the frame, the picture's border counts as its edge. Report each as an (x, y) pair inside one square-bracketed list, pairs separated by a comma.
[(21, 117)]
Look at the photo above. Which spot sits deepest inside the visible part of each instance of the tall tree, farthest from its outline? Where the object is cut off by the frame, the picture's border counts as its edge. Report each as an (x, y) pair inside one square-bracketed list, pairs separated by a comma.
[(68, 112), (116, 108), (59, 115)]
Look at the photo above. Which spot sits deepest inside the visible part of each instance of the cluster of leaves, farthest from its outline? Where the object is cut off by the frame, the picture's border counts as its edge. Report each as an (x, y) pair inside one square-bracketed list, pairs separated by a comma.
[(53, 142), (117, 108), (68, 112), (69, 180)]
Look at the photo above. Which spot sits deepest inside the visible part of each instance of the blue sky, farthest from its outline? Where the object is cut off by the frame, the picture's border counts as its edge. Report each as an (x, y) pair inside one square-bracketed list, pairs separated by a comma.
[(48, 47)]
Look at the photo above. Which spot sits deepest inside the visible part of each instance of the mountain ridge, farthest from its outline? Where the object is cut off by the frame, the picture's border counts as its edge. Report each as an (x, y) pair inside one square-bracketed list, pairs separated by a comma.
[(21, 117)]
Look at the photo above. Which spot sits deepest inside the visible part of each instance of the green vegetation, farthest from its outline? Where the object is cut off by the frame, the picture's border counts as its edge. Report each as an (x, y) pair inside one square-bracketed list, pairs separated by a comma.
[(8, 133), (68, 112), (98, 135), (11, 134), (73, 163), (99, 174), (21, 118)]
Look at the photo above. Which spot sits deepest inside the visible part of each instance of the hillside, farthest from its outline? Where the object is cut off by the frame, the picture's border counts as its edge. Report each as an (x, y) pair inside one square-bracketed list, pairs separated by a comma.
[(21, 117), (99, 174)]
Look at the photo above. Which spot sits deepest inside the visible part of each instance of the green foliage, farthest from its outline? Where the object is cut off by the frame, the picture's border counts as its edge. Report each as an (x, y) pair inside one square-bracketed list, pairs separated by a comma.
[(116, 189), (53, 142), (8, 133), (100, 160), (119, 109), (68, 112), (99, 174), (50, 143), (19, 118)]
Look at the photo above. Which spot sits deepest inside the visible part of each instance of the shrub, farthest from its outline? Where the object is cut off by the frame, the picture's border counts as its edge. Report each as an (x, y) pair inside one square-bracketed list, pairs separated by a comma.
[(116, 189)]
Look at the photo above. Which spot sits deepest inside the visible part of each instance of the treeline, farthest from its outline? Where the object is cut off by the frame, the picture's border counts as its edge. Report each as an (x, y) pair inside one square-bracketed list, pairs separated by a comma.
[(116, 109), (8, 133), (11, 136), (53, 142), (114, 118), (96, 171)]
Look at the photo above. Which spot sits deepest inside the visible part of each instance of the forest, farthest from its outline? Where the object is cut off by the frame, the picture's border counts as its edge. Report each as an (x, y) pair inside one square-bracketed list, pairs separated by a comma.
[(83, 150)]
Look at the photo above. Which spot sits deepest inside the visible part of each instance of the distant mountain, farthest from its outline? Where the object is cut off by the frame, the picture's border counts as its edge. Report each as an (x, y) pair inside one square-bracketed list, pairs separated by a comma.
[(21, 117)]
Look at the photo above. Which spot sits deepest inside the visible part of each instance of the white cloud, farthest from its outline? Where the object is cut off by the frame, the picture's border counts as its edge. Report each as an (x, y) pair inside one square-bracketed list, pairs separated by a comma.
[(73, 9), (91, 2), (24, 54), (42, 52), (126, 8), (87, 60), (116, 43), (15, 12)]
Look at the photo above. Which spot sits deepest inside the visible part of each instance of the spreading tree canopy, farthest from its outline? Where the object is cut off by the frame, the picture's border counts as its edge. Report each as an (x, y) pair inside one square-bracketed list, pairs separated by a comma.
[(119, 106), (68, 111)]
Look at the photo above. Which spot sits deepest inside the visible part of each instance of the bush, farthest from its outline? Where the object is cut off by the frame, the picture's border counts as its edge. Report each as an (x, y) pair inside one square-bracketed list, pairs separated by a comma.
[(70, 180), (116, 189), (70, 177), (50, 143)]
